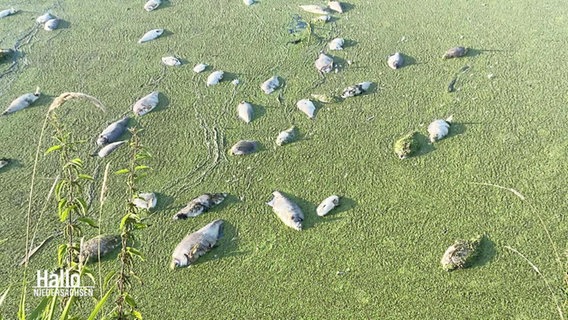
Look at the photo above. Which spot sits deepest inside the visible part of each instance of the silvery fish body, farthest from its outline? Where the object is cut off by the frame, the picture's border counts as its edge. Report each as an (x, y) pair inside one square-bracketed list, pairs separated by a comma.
[(307, 107), (248, 2), (395, 61), (286, 136), (98, 246), (7, 12), (22, 102), (151, 35), (196, 244), (113, 131), (356, 90), (199, 67), (109, 148), (51, 24), (287, 211), (200, 205), (455, 52), (171, 61), (152, 4), (324, 63), (214, 78), (4, 162), (44, 18), (244, 147), (336, 44), (327, 205), (335, 6), (313, 8), (439, 128), (244, 109), (145, 200), (146, 104), (270, 85)]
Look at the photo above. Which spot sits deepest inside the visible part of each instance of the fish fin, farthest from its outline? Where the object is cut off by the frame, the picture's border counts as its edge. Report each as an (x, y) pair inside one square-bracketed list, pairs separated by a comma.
[(450, 119)]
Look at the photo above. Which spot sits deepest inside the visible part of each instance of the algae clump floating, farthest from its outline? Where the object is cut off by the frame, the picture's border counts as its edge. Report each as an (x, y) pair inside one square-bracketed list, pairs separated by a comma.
[(461, 254), (407, 145)]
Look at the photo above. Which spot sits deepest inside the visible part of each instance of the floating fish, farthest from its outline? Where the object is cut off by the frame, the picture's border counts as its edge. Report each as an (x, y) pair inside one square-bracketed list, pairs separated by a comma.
[(307, 107), (356, 90), (196, 244), (327, 205), (113, 131), (98, 246), (151, 35), (270, 85), (171, 61), (439, 129), (407, 145), (145, 200), (286, 136), (244, 109), (235, 82), (200, 205), (200, 67), (109, 148), (248, 2), (324, 98), (4, 162), (146, 104), (336, 44), (313, 8), (22, 102), (44, 18), (51, 24), (451, 85), (244, 147), (152, 5), (335, 6), (324, 63), (214, 78), (7, 12), (287, 211), (461, 254), (455, 52), (395, 61)]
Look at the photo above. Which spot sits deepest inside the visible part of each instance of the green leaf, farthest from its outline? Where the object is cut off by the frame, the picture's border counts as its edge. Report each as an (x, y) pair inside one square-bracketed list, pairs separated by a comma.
[(89, 221), (141, 167), (128, 298), (123, 221), (85, 176), (53, 148), (135, 252), (65, 314), (100, 305), (63, 215), (122, 171), (137, 314), (77, 162), (108, 278), (40, 309), (22, 305), (3, 297), (84, 208), (61, 254)]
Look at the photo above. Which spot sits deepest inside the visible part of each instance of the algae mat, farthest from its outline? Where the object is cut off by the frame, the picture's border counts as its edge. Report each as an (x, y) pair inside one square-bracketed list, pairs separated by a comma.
[(377, 255)]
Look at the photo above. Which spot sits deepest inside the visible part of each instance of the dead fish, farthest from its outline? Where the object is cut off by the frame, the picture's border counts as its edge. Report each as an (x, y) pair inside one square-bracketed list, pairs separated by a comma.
[(286, 136), (244, 109), (439, 128), (98, 246), (22, 102), (395, 61), (44, 18), (146, 104), (455, 52), (336, 44), (235, 82), (196, 244), (452, 84), (4, 162), (324, 63), (270, 85), (461, 254), (171, 61), (7, 12), (244, 147), (356, 90), (109, 148), (145, 200), (214, 78), (327, 205), (113, 131), (407, 145), (335, 6), (152, 5), (289, 212), (248, 2), (313, 8), (307, 107), (151, 35), (51, 24), (200, 205), (199, 67)]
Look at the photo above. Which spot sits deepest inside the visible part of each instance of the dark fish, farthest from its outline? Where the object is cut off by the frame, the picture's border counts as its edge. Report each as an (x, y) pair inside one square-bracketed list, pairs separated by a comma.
[(113, 131), (200, 205), (452, 84), (197, 244), (4, 162), (455, 52), (244, 147), (356, 90), (98, 246)]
